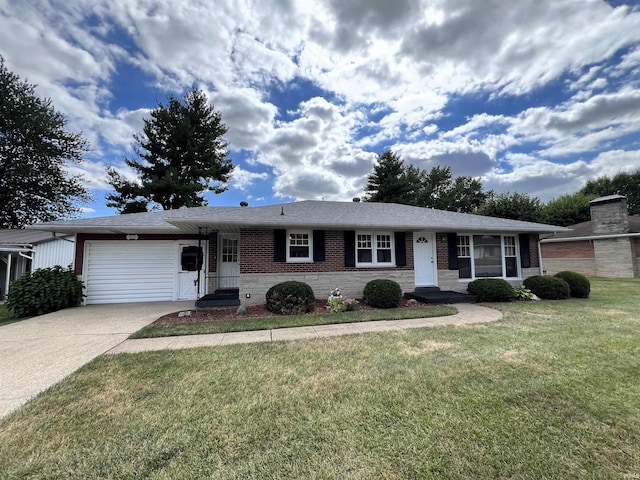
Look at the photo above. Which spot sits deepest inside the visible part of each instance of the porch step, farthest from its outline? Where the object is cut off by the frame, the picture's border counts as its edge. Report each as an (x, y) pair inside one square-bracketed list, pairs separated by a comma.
[(220, 298), (436, 296)]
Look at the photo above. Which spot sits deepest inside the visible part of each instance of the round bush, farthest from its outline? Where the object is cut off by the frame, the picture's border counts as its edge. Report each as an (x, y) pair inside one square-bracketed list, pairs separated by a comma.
[(551, 288), (290, 298), (491, 290), (43, 291), (382, 293), (579, 285)]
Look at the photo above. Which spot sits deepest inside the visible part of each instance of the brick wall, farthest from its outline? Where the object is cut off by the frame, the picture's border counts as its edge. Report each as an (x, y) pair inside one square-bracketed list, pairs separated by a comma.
[(256, 255), (579, 249)]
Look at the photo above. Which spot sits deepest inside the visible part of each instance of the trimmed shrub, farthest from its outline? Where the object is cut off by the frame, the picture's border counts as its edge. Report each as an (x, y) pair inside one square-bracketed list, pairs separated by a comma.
[(290, 298), (491, 290), (382, 293), (579, 285), (551, 288), (43, 291)]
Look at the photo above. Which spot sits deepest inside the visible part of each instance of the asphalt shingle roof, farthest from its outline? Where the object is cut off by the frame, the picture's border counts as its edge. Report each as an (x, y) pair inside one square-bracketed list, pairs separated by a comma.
[(585, 229), (305, 214), (23, 237)]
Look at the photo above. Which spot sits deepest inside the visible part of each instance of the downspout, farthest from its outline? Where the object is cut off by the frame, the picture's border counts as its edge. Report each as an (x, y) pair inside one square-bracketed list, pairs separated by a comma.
[(198, 264), (6, 284)]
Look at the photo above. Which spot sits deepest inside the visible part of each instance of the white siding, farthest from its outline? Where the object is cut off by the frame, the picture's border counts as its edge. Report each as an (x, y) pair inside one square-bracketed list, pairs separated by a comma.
[(129, 271), (56, 252)]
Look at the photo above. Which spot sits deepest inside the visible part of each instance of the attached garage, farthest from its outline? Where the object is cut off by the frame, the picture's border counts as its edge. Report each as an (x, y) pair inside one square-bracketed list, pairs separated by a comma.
[(130, 271)]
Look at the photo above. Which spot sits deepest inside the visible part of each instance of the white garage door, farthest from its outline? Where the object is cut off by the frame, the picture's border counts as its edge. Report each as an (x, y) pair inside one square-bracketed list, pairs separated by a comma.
[(129, 271)]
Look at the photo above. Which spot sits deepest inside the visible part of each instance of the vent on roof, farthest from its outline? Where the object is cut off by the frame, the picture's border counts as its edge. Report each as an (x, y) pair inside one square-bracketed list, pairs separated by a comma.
[(244, 204), (356, 199)]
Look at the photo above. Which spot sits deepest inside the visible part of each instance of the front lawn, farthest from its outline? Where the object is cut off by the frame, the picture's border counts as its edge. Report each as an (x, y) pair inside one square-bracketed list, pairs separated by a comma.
[(241, 324), (6, 317), (550, 391)]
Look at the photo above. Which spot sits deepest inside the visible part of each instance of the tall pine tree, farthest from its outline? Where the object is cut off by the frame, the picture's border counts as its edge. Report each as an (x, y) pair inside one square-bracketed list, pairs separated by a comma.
[(35, 148), (180, 154), (391, 181)]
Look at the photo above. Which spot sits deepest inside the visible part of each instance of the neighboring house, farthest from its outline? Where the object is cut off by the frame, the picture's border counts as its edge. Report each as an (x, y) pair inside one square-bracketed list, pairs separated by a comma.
[(246, 250), (606, 246), (25, 250)]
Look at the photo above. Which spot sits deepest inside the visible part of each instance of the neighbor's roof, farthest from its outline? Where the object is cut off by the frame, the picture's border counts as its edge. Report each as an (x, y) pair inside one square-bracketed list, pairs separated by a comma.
[(585, 229), (305, 214), (16, 236)]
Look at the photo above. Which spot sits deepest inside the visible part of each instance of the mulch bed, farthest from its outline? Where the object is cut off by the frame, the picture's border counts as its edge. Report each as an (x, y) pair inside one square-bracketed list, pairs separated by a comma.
[(257, 311)]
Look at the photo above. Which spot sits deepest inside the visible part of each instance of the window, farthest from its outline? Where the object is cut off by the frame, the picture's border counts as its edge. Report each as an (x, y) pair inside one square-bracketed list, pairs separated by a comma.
[(374, 249), (510, 256), (299, 246), (486, 256), (464, 256)]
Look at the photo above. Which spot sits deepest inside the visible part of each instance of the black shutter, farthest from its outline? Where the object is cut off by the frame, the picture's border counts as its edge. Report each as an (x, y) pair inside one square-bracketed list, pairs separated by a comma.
[(401, 249), (525, 250), (279, 245), (452, 248), (318, 246), (349, 248)]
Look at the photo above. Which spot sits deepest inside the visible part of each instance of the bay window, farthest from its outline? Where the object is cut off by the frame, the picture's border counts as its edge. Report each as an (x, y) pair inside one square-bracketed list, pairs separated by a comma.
[(486, 256)]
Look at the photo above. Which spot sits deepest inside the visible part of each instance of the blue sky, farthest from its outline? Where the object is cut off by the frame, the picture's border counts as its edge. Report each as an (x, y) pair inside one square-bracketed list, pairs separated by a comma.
[(533, 96)]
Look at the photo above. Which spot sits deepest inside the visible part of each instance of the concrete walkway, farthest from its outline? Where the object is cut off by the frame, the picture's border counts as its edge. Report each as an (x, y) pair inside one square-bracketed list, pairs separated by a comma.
[(39, 352), (467, 314)]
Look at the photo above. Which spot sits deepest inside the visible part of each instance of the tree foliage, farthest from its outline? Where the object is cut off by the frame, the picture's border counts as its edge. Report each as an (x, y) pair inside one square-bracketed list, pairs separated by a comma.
[(35, 149), (394, 182), (179, 154), (627, 184), (391, 181), (514, 206), (567, 210)]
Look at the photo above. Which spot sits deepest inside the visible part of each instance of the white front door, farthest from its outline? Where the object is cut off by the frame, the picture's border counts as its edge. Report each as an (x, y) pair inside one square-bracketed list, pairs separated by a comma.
[(424, 259), (187, 286), (229, 261)]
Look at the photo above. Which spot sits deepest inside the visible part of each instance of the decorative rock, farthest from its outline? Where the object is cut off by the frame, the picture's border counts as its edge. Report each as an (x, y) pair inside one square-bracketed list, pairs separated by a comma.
[(186, 313), (242, 310), (412, 301)]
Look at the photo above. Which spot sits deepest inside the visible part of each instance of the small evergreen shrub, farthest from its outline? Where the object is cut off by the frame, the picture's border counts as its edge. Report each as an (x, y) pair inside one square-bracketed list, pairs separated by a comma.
[(382, 293), (43, 291), (579, 285), (290, 298), (548, 287), (491, 290)]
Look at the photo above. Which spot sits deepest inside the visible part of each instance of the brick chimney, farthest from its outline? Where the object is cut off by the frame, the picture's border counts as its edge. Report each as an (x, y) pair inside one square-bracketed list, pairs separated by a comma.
[(609, 215)]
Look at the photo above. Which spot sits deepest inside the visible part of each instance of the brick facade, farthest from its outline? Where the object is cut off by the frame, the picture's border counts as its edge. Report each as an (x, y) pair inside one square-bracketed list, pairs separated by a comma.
[(578, 249), (256, 255)]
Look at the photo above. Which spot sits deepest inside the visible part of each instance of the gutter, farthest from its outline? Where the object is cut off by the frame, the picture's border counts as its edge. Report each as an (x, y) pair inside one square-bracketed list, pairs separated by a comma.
[(590, 237)]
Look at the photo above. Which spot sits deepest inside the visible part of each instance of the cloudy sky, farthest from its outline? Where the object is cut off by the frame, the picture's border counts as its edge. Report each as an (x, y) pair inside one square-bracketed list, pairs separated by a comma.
[(533, 96)]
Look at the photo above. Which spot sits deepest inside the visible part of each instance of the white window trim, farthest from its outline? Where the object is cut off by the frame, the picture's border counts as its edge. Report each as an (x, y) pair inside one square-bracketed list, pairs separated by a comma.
[(308, 259), (502, 255), (374, 247)]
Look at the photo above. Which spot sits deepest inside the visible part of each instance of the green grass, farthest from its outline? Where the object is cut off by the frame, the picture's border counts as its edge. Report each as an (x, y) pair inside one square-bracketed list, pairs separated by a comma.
[(250, 324), (550, 391), (6, 317)]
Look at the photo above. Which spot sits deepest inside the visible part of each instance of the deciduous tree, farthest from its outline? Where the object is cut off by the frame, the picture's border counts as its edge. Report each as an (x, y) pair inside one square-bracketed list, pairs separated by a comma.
[(35, 149), (515, 206), (627, 184)]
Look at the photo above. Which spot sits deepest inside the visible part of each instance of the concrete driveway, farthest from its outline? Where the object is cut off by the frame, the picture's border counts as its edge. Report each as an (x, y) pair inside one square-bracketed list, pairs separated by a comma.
[(36, 353)]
